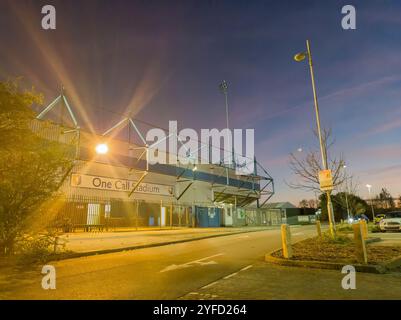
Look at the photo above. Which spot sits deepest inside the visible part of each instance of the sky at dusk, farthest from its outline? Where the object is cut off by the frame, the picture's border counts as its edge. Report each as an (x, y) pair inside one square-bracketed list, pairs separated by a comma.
[(164, 60)]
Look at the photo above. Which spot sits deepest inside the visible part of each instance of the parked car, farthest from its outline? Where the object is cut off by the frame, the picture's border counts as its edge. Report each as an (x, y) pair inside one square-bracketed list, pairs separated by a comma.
[(359, 217), (379, 217), (391, 222)]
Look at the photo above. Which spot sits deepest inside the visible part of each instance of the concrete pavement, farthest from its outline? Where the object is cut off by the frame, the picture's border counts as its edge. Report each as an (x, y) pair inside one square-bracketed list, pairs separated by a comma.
[(265, 281), (388, 239), (100, 241), (166, 272), (230, 267)]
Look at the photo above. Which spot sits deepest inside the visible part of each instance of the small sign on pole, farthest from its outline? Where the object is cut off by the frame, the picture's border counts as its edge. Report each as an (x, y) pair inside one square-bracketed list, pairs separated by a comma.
[(325, 180)]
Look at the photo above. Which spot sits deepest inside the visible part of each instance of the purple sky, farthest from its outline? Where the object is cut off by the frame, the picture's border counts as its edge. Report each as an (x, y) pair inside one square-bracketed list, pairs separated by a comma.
[(164, 60)]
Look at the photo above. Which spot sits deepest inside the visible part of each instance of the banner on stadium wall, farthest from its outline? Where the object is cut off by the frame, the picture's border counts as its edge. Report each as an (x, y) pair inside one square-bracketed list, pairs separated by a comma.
[(122, 185)]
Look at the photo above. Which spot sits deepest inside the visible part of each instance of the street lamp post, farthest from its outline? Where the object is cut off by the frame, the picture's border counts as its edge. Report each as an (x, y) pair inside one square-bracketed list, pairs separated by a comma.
[(346, 192), (224, 89), (299, 57), (371, 201)]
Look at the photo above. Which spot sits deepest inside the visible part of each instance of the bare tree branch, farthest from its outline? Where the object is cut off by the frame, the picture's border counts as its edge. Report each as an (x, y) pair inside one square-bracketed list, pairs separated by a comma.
[(307, 169)]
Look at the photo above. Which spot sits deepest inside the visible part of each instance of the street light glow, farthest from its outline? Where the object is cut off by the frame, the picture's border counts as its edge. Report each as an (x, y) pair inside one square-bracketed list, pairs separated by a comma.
[(300, 56), (102, 148), (368, 186)]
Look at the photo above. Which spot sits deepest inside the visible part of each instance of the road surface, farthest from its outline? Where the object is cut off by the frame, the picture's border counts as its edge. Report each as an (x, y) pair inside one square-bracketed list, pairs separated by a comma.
[(167, 272)]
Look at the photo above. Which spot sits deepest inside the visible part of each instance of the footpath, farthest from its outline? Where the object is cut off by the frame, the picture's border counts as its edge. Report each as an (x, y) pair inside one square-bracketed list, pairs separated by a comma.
[(90, 243)]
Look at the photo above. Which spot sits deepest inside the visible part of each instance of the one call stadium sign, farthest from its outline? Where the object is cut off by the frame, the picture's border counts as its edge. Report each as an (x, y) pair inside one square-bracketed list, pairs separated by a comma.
[(122, 185)]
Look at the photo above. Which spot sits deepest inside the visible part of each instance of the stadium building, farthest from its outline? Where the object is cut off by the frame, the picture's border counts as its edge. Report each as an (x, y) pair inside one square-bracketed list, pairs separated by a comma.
[(112, 183)]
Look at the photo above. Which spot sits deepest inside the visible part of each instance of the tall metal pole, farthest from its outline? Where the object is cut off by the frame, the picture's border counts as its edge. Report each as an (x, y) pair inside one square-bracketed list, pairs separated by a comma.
[(224, 89), (371, 203), (346, 201), (228, 126), (346, 191), (322, 146)]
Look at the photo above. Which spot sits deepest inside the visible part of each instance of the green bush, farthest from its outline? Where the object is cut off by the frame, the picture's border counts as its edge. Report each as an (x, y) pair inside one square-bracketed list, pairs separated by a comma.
[(344, 227), (374, 228), (40, 248), (339, 239)]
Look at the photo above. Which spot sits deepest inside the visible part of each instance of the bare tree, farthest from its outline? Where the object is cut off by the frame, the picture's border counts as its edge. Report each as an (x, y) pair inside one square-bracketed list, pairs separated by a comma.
[(303, 203), (307, 168), (312, 203)]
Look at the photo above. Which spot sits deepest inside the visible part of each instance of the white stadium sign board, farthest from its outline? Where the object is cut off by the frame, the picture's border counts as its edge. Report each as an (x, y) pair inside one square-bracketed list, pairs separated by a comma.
[(122, 185)]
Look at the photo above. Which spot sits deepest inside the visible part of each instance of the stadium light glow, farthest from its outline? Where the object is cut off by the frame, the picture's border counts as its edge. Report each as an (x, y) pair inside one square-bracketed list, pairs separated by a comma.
[(102, 148)]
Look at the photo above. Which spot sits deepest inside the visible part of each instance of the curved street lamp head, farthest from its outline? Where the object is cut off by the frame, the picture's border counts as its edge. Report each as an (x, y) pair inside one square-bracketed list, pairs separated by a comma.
[(300, 56), (102, 148), (223, 86)]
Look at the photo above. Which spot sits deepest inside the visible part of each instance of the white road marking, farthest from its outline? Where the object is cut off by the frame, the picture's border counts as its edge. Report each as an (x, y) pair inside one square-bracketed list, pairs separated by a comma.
[(227, 277), (298, 234), (192, 263), (246, 268), (230, 275), (209, 285)]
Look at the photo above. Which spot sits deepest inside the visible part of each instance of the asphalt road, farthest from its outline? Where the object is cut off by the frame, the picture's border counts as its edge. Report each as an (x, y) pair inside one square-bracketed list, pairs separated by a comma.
[(167, 272)]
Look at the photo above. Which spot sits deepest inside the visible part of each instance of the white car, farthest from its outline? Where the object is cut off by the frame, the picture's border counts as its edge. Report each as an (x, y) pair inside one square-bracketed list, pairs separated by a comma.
[(391, 222)]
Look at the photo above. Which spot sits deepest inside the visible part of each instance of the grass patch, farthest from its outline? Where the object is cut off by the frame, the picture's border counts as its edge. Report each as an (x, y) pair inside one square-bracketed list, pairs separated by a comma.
[(340, 250)]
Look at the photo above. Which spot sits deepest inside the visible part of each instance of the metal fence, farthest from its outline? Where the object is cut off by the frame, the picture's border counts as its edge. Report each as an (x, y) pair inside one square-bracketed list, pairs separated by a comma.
[(93, 213), (263, 217)]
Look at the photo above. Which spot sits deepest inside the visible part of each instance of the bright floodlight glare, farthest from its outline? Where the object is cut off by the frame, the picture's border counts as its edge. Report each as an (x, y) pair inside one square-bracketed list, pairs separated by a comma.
[(195, 168), (368, 186), (102, 148)]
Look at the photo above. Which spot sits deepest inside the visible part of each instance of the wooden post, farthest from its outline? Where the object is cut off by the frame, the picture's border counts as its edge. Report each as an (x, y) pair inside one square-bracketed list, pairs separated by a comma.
[(55, 244), (286, 241), (364, 229), (318, 228), (187, 216), (179, 216), (360, 247), (161, 209), (171, 216), (137, 214)]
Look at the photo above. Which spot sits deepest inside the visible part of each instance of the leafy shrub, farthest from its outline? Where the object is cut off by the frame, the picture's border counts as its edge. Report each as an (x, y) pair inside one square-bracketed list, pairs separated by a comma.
[(39, 248), (374, 228), (339, 239), (344, 227)]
